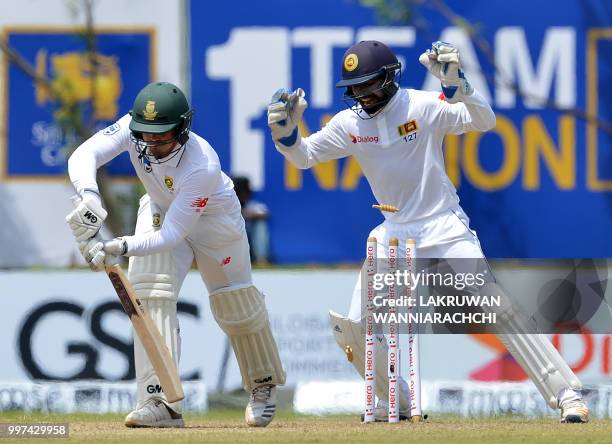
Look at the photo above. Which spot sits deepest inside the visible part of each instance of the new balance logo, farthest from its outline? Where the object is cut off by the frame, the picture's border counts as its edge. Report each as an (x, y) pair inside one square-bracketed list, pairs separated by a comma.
[(199, 202)]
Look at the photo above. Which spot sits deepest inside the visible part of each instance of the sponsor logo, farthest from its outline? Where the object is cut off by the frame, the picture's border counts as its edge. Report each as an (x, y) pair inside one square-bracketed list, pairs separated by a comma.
[(146, 165), (149, 112), (85, 356), (263, 380), (364, 139), (351, 62), (154, 388), (110, 130), (76, 68), (91, 217), (199, 203), (226, 261), (169, 181)]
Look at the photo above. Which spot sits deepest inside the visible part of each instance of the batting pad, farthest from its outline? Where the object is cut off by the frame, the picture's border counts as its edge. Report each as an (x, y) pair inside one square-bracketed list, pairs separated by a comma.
[(153, 279), (243, 316), (533, 351), (351, 340)]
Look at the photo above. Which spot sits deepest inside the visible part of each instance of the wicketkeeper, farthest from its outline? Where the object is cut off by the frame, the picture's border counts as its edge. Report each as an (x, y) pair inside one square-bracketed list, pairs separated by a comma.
[(190, 211), (396, 135)]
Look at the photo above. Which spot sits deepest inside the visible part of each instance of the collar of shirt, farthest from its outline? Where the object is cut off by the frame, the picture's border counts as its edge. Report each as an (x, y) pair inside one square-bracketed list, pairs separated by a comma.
[(392, 103)]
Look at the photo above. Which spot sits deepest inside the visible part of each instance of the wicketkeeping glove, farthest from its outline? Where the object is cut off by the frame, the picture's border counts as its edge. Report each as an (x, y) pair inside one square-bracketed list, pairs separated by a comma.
[(284, 114), (442, 60)]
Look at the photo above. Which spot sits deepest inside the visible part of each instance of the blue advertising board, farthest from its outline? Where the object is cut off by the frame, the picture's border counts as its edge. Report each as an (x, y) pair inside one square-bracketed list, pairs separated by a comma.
[(537, 186), (36, 145)]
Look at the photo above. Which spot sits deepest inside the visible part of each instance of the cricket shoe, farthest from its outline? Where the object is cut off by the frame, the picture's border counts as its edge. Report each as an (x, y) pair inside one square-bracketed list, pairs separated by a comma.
[(261, 407), (154, 413), (574, 411)]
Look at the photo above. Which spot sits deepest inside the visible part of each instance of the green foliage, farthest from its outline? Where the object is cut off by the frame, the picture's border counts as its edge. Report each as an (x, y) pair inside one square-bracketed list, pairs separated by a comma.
[(393, 11)]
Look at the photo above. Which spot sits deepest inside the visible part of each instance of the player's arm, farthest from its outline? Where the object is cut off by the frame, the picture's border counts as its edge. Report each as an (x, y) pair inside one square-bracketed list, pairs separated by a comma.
[(183, 214), (87, 218), (284, 114), (96, 151), (465, 109), (181, 217)]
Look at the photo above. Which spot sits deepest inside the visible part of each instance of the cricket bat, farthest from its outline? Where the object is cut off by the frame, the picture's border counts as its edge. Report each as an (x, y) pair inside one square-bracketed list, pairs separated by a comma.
[(149, 335)]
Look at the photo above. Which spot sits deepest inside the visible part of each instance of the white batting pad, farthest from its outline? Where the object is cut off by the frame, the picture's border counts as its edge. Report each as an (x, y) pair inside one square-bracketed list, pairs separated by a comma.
[(533, 351), (154, 282), (243, 316)]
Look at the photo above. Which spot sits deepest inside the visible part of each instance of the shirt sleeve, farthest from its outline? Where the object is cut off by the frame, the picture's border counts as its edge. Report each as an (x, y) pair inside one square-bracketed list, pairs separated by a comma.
[(473, 114), (181, 217), (96, 151), (329, 143)]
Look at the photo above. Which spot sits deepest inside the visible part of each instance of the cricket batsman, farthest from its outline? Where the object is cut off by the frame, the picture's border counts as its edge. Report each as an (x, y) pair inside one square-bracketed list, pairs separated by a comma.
[(396, 135), (190, 211)]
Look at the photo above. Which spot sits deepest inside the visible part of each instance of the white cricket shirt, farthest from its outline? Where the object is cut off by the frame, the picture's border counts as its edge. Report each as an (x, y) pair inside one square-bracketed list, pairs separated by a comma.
[(185, 187), (400, 149)]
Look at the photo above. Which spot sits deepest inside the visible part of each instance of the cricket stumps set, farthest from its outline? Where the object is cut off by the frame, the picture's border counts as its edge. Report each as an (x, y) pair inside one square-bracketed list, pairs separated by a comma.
[(393, 352)]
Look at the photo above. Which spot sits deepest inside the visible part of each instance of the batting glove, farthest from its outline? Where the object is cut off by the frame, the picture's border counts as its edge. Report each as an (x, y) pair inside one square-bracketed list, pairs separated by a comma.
[(284, 114), (442, 61), (98, 253), (87, 217)]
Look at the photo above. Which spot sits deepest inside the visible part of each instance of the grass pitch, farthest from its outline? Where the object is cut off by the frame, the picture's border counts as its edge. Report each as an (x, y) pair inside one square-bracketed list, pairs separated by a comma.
[(228, 427)]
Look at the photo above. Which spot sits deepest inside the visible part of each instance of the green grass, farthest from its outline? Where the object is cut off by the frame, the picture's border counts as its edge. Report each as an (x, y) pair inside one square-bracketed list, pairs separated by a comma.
[(228, 427)]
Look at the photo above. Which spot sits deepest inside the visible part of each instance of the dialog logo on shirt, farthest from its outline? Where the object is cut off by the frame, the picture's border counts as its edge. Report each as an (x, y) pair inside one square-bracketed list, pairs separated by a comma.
[(199, 203), (363, 139), (169, 181), (226, 261)]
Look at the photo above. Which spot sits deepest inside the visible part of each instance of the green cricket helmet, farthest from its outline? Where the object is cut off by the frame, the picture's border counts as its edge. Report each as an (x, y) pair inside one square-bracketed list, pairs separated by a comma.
[(158, 108)]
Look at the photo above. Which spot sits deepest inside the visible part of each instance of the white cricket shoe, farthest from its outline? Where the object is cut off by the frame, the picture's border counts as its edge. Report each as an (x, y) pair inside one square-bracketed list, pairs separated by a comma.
[(154, 413), (261, 407), (574, 411)]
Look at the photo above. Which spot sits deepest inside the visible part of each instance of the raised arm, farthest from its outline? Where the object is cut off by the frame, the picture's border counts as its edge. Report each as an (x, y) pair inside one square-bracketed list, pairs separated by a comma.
[(464, 109), (284, 114)]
